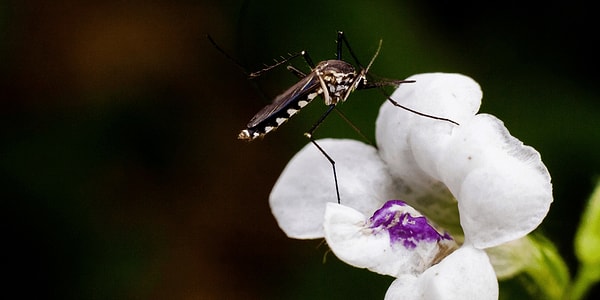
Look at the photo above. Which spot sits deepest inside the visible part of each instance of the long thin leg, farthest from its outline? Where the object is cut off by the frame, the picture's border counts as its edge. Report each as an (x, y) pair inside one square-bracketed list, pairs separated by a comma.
[(337, 190), (296, 72), (235, 62), (260, 91), (277, 64), (419, 113), (283, 60), (309, 135), (342, 39), (343, 116), (380, 84), (304, 54)]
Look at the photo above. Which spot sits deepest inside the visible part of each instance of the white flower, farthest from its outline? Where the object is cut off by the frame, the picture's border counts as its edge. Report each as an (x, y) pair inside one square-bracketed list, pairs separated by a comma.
[(473, 180)]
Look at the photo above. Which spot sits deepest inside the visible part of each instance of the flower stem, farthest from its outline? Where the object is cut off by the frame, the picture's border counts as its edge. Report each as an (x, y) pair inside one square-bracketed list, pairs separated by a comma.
[(586, 277)]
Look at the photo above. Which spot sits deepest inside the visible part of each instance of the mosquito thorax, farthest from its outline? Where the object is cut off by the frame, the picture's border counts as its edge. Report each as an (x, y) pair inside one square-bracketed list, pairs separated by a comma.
[(337, 78)]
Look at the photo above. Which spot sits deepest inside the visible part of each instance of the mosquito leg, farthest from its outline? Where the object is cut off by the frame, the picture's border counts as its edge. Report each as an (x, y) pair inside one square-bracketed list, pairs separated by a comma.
[(277, 64), (419, 113), (338, 41), (381, 84), (284, 60), (341, 39), (260, 91), (235, 62), (308, 60), (337, 190), (309, 135), (347, 120), (296, 72)]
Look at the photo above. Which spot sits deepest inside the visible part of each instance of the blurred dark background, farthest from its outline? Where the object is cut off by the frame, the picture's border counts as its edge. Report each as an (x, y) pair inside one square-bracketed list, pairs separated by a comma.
[(122, 176)]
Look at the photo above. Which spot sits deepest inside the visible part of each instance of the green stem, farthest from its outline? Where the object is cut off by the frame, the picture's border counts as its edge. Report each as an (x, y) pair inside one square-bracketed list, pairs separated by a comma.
[(586, 277)]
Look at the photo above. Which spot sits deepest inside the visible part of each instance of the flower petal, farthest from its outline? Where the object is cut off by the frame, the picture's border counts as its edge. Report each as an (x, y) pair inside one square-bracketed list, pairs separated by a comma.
[(306, 184), (396, 240), (502, 186), (464, 274)]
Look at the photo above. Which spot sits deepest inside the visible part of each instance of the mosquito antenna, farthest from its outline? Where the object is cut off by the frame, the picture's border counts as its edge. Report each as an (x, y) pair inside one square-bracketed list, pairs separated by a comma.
[(374, 56)]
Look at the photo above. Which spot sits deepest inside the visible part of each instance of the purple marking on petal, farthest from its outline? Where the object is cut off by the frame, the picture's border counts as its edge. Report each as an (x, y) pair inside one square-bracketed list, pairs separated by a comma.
[(385, 213), (404, 228)]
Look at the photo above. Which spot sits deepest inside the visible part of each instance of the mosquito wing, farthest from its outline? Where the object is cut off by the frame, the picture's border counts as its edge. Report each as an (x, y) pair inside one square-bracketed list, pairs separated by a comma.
[(283, 107), (294, 98)]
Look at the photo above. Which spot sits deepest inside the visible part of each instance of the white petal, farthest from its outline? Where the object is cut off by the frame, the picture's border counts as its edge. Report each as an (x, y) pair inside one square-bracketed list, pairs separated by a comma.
[(306, 184), (503, 187), (464, 274), (349, 236)]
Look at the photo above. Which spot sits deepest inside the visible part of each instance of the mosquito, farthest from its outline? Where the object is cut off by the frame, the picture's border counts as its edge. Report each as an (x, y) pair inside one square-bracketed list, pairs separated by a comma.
[(334, 80)]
